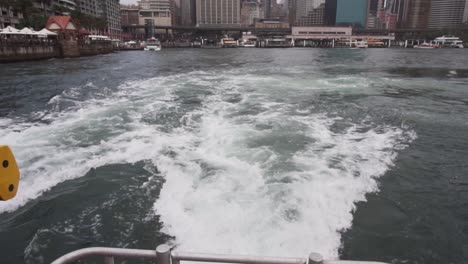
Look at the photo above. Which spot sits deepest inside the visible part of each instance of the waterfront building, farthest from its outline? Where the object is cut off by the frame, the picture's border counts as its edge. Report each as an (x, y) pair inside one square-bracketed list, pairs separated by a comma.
[(155, 12), (8, 17), (352, 12), (447, 13), (129, 15), (188, 13), (218, 13), (251, 11), (306, 33)]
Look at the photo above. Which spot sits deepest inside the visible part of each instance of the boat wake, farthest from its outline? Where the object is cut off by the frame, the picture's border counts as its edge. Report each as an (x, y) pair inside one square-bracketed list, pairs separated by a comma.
[(248, 168)]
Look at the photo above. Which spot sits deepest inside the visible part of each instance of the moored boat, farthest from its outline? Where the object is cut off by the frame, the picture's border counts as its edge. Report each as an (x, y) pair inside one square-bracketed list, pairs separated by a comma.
[(153, 44), (228, 43), (426, 45), (449, 42)]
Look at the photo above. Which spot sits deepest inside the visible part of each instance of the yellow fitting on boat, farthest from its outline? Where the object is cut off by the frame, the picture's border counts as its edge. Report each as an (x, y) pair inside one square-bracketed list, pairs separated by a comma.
[(9, 174)]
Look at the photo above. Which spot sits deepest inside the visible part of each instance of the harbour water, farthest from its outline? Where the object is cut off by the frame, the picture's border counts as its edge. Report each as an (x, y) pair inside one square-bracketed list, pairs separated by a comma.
[(355, 154)]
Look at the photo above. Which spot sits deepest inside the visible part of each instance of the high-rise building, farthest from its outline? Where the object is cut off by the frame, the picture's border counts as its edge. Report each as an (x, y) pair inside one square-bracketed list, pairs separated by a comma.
[(416, 14), (89, 7), (111, 12), (9, 17), (376, 14), (397, 8), (447, 13), (465, 16), (68, 4), (352, 12), (275, 9), (218, 13), (315, 17), (375, 6), (187, 13), (129, 15), (266, 4), (155, 12), (250, 12), (330, 12)]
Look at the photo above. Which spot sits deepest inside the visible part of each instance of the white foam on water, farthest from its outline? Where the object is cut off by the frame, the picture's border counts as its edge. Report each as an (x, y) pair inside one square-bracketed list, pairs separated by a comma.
[(243, 205), (283, 188)]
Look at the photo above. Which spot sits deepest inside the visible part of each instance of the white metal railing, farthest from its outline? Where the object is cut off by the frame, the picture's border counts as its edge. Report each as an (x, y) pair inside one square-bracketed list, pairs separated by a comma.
[(164, 255)]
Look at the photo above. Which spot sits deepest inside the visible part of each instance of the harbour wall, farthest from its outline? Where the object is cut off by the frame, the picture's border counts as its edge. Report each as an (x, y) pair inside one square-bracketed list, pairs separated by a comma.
[(26, 50), (13, 51)]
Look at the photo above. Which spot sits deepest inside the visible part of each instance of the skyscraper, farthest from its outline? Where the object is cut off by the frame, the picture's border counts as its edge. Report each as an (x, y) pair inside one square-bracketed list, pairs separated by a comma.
[(330, 12), (447, 13), (111, 12), (315, 17), (309, 12), (250, 11), (187, 13), (218, 13), (89, 7), (416, 14), (465, 16), (352, 12), (398, 8), (376, 14)]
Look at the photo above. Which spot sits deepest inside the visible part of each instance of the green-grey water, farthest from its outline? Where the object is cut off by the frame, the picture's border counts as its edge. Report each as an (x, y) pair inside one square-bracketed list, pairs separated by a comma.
[(355, 154)]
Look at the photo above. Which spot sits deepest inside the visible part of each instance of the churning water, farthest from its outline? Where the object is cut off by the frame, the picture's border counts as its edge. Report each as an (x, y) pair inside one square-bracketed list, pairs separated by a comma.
[(240, 151)]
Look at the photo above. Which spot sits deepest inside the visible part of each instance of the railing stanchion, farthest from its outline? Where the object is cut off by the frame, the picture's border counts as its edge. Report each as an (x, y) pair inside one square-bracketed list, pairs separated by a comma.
[(163, 254), (108, 260), (315, 258)]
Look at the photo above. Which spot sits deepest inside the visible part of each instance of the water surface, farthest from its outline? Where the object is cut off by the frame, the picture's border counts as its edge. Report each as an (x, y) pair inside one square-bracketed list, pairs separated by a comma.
[(355, 154)]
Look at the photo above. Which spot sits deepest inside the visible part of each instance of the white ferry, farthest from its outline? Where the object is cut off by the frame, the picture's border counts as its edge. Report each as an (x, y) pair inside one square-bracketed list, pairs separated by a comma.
[(426, 45), (449, 41), (153, 44), (362, 44)]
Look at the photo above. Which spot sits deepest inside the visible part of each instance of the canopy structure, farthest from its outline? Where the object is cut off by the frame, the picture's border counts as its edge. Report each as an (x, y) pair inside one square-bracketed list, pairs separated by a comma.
[(45, 32), (10, 31), (27, 31)]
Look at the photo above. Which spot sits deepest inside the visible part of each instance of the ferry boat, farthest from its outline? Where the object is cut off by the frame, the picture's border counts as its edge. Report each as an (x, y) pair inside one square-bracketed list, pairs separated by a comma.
[(362, 44), (449, 42), (426, 45), (196, 43), (153, 44), (247, 44), (228, 43), (375, 43)]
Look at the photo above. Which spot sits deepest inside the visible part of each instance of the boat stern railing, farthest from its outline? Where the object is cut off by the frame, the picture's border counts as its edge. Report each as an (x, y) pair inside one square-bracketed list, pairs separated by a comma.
[(165, 255)]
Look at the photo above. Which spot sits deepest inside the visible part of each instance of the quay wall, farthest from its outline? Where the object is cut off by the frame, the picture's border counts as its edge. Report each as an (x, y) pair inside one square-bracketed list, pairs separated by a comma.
[(95, 49), (27, 50), (21, 51)]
